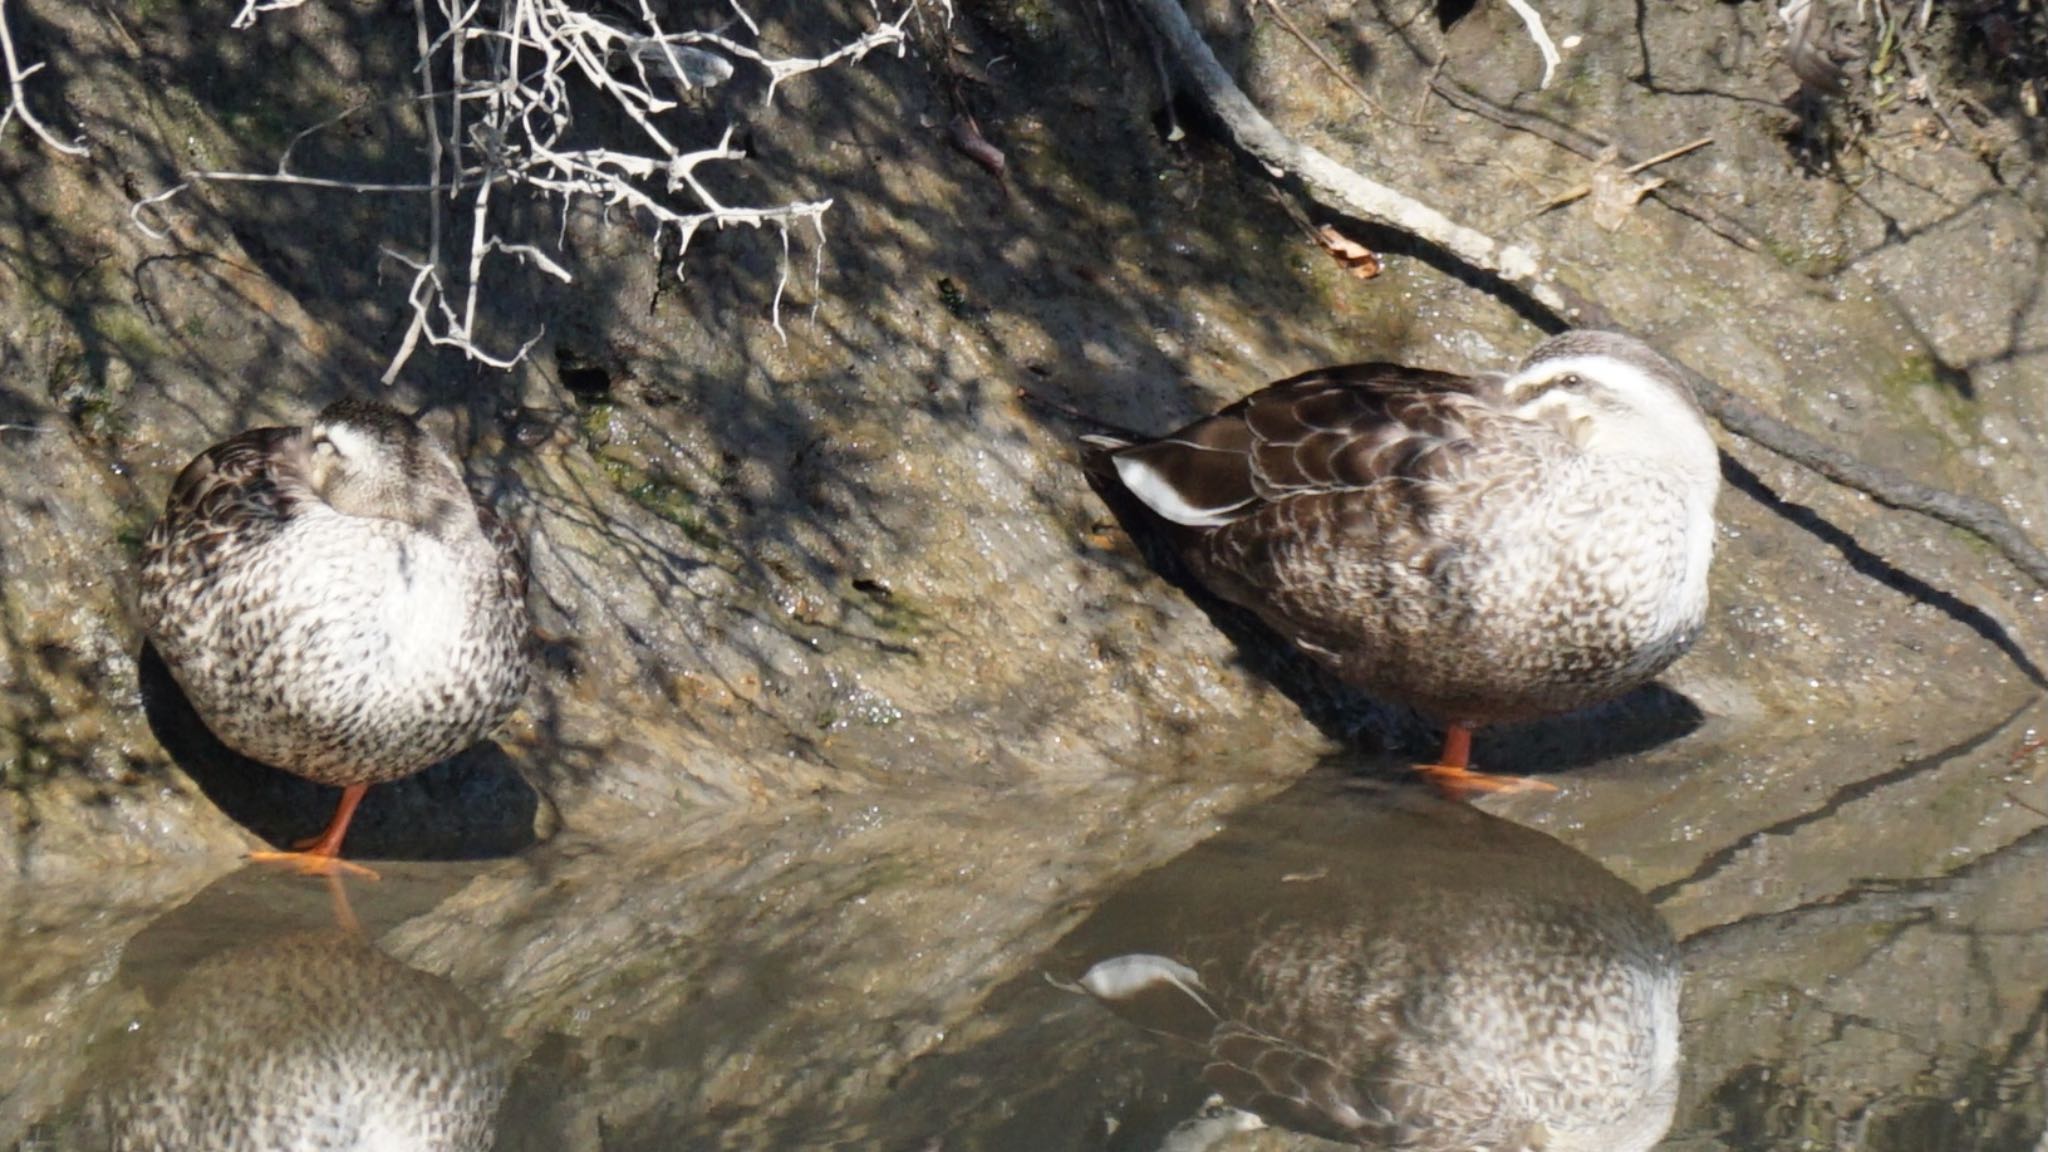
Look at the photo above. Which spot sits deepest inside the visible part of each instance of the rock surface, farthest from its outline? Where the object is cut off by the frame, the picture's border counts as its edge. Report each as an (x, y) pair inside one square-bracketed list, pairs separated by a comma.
[(835, 619)]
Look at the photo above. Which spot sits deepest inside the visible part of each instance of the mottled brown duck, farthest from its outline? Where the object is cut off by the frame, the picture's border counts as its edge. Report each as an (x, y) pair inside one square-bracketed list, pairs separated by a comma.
[(1402, 972), (335, 603), (316, 1041), (1483, 548)]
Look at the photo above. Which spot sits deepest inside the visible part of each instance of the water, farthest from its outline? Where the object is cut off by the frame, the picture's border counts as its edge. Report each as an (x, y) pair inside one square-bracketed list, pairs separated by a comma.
[(1859, 929)]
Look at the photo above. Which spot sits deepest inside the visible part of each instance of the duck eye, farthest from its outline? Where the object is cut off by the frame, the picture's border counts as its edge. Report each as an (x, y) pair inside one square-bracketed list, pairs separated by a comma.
[(1570, 380)]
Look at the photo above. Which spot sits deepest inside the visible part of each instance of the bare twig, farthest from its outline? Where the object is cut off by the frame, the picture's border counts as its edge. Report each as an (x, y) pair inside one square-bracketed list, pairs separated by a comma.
[(1592, 147), (1912, 58), (1978, 517), (1582, 190), (1343, 77), (251, 9), (16, 105), (1670, 154), (515, 78), (1337, 187)]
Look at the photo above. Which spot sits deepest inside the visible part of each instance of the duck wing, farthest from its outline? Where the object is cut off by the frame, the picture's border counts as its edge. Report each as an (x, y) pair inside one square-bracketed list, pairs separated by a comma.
[(237, 491), (511, 553), (1348, 428)]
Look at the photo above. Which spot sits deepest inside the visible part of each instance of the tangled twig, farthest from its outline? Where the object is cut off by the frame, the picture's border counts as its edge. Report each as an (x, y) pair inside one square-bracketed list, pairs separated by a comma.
[(499, 92)]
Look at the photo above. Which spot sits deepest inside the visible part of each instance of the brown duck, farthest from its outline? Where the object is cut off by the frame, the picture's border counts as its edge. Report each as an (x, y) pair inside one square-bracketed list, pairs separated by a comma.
[(1399, 972), (335, 603), (1484, 548)]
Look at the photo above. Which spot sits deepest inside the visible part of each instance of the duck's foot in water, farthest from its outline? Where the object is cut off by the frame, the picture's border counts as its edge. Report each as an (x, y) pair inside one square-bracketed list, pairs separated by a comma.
[(1457, 782), (1453, 778), (321, 855), (314, 864)]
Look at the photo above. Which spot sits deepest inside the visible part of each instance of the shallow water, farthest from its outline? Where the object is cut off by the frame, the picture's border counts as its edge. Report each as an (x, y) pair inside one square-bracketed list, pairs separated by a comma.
[(1860, 930)]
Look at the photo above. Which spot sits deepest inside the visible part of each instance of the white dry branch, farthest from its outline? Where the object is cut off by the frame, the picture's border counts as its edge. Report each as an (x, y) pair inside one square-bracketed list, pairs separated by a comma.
[(1329, 182), (16, 106), (1534, 21), (500, 87)]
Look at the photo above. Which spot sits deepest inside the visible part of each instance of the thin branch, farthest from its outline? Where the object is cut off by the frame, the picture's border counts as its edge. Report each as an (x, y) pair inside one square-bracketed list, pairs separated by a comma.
[(1337, 187), (1978, 517), (303, 182), (1592, 147), (1534, 20), (518, 75), (251, 9), (16, 104), (1343, 77), (1912, 58)]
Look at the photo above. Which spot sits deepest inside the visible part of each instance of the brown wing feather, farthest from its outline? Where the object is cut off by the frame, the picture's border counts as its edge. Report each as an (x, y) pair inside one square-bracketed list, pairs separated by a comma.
[(233, 491), (1330, 430), (512, 568)]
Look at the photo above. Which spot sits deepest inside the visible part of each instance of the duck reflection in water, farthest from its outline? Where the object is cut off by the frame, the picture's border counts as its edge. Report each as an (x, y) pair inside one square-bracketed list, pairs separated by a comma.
[(313, 1042), (1396, 971)]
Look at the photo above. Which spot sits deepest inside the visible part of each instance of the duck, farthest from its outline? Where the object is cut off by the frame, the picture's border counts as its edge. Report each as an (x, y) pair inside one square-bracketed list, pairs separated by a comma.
[(1484, 548), (1399, 971), (336, 603), (311, 1040)]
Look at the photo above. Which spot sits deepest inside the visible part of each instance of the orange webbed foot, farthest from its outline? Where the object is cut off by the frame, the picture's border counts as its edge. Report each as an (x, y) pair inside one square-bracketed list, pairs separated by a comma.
[(313, 864), (1458, 783)]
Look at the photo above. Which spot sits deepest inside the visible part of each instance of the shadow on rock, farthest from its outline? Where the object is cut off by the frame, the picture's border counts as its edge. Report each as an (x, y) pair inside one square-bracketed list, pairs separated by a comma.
[(1637, 722), (471, 806)]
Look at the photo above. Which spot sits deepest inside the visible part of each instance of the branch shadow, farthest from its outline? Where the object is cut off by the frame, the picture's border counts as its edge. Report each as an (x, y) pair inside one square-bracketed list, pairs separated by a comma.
[(1877, 568)]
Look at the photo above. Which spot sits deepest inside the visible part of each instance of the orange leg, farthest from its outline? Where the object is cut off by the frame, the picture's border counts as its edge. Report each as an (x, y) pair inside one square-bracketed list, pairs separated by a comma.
[(321, 855), (1452, 775)]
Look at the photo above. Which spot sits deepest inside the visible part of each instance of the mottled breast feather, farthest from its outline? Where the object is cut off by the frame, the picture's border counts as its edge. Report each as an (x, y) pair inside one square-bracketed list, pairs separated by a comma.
[(348, 649)]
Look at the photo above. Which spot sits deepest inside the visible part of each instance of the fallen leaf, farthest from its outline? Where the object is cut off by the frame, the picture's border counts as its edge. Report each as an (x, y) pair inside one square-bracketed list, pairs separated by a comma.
[(1356, 258)]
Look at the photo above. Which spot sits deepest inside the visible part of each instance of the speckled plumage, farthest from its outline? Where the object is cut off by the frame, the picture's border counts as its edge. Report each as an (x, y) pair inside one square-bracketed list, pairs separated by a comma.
[(1411, 974), (333, 600), (1484, 548), (315, 1043)]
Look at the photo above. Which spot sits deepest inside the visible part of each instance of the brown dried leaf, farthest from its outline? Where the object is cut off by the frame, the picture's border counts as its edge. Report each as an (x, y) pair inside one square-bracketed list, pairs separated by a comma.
[(1356, 258)]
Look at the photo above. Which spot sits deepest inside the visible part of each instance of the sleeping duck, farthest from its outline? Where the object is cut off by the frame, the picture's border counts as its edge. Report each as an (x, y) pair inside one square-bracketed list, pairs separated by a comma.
[(1483, 548), (335, 603)]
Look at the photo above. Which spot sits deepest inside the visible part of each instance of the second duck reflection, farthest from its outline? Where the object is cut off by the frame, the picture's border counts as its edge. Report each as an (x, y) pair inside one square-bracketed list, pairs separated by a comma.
[(1386, 969)]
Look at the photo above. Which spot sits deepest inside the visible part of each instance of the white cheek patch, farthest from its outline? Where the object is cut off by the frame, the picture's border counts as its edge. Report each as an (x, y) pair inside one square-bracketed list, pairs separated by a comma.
[(1162, 497), (351, 444), (1658, 403)]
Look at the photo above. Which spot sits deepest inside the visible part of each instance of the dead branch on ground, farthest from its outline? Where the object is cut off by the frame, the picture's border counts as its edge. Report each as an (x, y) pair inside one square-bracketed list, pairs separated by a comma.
[(1337, 188)]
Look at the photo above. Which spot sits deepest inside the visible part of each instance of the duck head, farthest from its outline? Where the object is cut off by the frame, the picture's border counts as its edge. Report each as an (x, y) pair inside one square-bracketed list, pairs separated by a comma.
[(368, 459), (1615, 396)]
